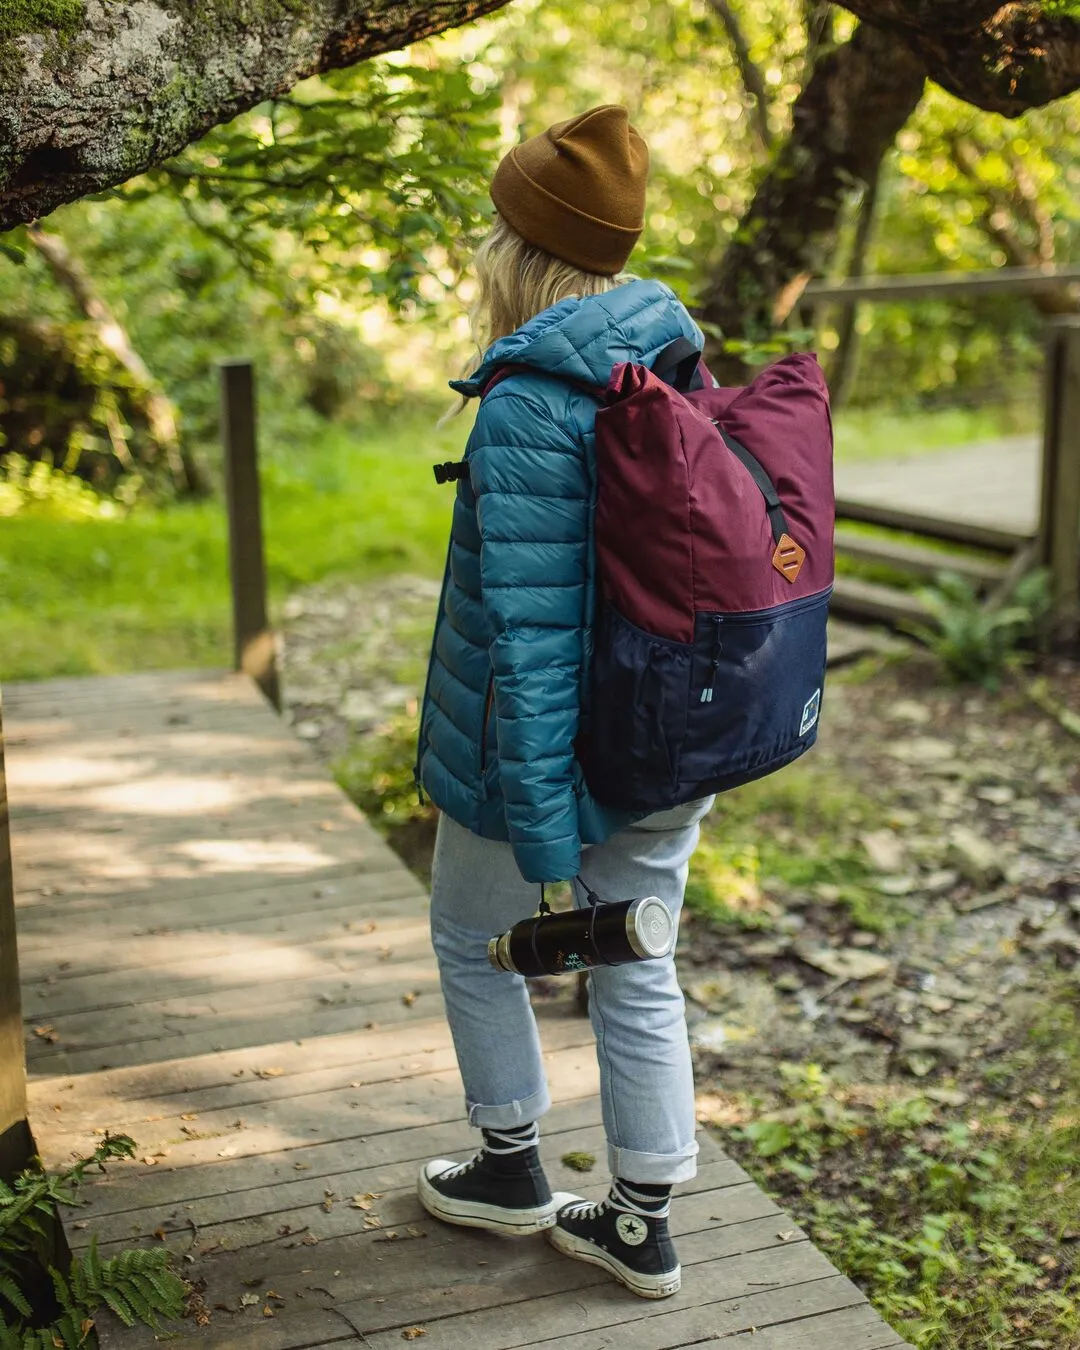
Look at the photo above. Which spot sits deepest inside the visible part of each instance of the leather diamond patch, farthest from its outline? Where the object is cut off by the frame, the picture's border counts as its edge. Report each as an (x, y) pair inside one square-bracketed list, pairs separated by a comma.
[(788, 558)]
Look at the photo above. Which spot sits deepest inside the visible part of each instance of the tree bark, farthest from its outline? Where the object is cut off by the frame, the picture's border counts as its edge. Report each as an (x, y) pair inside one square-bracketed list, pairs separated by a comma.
[(843, 122), (842, 368), (1001, 57), (140, 79), (146, 394)]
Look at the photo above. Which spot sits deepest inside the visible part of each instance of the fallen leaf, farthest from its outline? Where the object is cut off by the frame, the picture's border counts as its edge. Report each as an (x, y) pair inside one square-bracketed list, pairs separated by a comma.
[(309, 1240), (269, 1073), (227, 1153), (409, 999), (787, 1235), (249, 1300), (301, 1167), (47, 1034), (269, 1312), (413, 1333), (159, 1233), (373, 1221), (186, 1115), (239, 1073)]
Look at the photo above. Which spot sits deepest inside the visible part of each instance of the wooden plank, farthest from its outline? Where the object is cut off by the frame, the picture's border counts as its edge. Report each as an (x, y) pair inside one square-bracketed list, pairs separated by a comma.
[(884, 604), (933, 526), (854, 1327), (955, 285), (1059, 516), (513, 1294), (920, 562), (253, 640), (366, 902), (16, 1146)]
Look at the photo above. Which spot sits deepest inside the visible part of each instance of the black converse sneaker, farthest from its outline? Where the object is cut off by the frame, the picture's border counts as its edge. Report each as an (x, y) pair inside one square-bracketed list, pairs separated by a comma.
[(502, 1188), (627, 1234)]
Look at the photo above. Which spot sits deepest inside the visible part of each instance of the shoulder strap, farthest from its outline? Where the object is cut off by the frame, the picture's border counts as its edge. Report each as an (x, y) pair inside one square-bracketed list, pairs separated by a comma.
[(677, 365), (765, 484)]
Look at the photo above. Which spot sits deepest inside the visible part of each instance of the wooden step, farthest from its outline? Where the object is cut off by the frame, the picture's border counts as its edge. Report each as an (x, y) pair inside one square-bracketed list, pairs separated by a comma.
[(884, 604), (920, 562), (935, 527)]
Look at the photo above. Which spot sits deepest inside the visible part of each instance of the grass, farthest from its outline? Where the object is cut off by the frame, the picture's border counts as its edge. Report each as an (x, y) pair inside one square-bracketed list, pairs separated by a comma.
[(793, 832), (962, 1227), (869, 433), (146, 590)]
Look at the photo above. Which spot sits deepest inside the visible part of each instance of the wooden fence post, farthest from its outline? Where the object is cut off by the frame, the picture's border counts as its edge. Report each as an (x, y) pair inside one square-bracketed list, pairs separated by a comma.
[(16, 1146), (1059, 510), (254, 642)]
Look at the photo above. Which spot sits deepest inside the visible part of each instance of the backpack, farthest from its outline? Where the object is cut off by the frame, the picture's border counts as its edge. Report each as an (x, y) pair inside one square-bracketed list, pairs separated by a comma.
[(714, 548)]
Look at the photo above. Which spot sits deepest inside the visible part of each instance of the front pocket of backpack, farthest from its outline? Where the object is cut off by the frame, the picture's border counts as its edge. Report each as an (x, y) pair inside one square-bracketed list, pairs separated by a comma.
[(637, 721)]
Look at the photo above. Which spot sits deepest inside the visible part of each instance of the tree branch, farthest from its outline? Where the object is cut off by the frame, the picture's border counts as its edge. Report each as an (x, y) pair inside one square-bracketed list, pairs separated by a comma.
[(752, 79), (843, 122), (1001, 57), (140, 79)]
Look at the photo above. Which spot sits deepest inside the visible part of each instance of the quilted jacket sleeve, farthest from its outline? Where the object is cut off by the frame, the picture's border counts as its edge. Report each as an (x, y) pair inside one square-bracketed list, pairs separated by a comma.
[(532, 487)]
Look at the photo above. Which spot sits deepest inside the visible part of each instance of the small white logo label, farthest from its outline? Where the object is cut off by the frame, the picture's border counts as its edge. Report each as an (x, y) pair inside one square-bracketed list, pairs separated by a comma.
[(631, 1229), (810, 713)]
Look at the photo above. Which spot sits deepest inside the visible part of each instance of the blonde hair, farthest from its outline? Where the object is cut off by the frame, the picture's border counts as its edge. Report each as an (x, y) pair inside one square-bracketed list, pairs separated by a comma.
[(516, 281)]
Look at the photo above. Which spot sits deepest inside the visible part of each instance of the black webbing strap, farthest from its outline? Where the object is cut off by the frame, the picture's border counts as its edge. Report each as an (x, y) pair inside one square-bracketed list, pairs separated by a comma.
[(765, 484), (677, 365)]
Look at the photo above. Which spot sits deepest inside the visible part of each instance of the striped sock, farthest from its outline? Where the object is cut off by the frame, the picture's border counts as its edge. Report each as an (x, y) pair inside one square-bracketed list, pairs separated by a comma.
[(638, 1197), (513, 1149)]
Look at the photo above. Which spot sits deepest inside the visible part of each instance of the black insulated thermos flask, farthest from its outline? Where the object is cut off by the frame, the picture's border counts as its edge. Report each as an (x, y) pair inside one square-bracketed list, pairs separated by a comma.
[(578, 939)]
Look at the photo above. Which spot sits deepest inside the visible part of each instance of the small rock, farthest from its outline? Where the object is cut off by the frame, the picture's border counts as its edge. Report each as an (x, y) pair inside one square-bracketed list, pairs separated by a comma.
[(948, 1096), (952, 1048), (359, 706), (921, 750), (976, 858), (766, 949), (788, 983), (884, 849), (861, 938), (941, 882), (936, 1003), (996, 795), (711, 1035), (308, 731), (897, 886), (948, 986), (843, 963), (907, 710), (827, 893)]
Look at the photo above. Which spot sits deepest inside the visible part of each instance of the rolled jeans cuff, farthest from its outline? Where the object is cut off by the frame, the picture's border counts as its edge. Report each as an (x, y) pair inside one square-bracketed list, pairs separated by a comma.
[(653, 1169), (511, 1113)]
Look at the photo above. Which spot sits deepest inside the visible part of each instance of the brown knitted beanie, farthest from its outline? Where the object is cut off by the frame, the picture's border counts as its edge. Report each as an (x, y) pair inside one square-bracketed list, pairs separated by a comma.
[(578, 189)]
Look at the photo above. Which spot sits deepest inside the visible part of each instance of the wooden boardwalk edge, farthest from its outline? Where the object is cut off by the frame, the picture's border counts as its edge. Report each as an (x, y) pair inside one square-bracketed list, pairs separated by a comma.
[(222, 958)]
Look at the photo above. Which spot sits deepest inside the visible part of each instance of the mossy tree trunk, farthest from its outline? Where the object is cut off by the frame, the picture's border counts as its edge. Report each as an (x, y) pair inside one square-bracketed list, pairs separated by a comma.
[(1003, 58), (95, 91)]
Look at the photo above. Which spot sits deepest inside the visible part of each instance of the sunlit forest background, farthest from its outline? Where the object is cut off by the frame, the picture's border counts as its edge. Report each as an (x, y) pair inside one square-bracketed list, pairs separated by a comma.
[(327, 236)]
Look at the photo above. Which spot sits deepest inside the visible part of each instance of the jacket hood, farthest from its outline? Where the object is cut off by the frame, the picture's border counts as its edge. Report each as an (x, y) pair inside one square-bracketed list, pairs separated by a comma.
[(582, 339)]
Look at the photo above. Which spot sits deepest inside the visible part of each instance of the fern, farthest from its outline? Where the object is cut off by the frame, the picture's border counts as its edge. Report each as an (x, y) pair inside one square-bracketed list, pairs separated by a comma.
[(137, 1285)]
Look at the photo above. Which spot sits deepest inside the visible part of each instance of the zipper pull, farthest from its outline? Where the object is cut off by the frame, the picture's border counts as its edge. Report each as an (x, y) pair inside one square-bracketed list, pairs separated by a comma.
[(718, 648), (419, 789)]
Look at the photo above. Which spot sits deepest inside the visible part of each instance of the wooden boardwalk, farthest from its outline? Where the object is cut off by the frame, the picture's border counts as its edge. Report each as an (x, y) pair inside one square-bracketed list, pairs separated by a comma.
[(222, 958)]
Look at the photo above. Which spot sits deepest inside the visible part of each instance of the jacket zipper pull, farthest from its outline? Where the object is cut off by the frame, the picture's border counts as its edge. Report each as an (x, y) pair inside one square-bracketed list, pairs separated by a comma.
[(419, 790), (718, 647)]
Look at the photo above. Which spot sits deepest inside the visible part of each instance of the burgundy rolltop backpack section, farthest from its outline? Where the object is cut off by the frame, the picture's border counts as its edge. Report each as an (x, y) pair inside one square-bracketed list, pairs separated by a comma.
[(714, 543)]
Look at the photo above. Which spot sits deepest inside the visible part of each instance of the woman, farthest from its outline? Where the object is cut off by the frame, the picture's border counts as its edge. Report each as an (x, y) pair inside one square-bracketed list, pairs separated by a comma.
[(505, 688)]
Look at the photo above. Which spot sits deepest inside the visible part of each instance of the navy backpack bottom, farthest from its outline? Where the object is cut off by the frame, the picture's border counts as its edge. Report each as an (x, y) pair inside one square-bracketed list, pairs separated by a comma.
[(670, 722)]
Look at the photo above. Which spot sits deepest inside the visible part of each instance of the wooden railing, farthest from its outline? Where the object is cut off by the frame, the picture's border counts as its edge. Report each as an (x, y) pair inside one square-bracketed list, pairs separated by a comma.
[(1056, 542)]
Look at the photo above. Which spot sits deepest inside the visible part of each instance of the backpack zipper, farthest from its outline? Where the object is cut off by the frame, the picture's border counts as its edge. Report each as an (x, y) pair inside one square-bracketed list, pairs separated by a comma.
[(717, 652)]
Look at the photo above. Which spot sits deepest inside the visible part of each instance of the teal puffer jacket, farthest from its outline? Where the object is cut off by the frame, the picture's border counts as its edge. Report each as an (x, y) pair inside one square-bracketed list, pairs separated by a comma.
[(513, 637)]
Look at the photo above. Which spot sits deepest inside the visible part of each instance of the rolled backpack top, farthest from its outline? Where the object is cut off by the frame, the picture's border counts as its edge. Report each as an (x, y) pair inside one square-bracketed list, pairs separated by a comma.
[(714, 546)]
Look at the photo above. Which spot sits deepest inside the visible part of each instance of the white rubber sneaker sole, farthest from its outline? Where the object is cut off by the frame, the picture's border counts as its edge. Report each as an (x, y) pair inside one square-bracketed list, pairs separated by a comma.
[(477, 1214), (645, 1286)]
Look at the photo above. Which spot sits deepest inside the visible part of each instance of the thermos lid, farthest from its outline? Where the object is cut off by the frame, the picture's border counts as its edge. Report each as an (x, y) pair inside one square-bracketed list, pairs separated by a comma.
[(649, 927)]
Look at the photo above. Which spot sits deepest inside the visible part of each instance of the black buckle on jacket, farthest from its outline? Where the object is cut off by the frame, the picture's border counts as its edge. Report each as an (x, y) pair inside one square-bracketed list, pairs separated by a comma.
[(451, 471)]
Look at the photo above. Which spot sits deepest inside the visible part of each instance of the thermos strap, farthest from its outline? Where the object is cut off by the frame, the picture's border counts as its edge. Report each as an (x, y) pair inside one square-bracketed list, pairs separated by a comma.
[(545, 908)]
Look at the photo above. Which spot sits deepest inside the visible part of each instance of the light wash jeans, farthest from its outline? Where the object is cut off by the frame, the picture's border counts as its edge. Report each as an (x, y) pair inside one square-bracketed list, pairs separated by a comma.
[(637, 1011)]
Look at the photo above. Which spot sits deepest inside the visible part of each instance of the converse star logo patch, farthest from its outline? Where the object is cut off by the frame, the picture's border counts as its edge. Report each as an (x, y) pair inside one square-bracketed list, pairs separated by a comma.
[(632, 1230)]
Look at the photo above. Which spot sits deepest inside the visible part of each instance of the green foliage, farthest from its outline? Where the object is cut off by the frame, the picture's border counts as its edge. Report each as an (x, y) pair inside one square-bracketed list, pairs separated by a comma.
[(136, 1285), (976, 643), (38, 489), (958, 1230), (579, 1162), (793, 832), (377, 773), (378, 172)]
